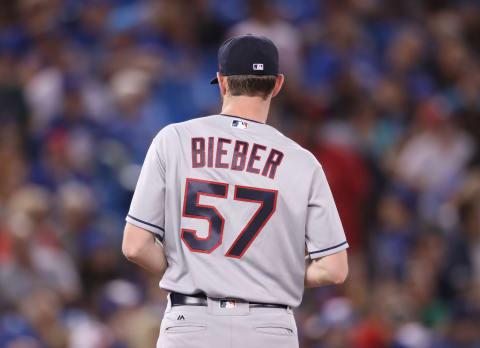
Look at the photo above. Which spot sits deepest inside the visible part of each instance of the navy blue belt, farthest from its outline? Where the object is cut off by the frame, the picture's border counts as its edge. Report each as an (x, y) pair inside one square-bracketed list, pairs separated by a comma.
[(178, 299)]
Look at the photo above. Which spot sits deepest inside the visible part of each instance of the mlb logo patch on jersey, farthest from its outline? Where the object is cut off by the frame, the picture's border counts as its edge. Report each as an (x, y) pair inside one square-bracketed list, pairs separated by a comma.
[(239, 124), (228, 304)]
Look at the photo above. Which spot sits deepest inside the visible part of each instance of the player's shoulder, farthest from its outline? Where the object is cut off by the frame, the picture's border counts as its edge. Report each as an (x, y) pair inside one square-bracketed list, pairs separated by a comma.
[(269, 134), (173, 129)]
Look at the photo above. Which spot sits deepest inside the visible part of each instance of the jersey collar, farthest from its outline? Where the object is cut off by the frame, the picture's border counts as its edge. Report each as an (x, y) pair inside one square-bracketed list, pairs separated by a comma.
[(242, 118)]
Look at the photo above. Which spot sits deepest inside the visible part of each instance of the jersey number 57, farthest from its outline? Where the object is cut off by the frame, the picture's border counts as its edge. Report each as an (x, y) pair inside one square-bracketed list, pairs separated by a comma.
[(194, 188)]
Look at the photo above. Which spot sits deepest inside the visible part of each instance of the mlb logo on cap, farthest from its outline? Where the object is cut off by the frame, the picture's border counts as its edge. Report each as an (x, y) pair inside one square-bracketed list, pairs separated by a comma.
[(257, 66), (239, 124)]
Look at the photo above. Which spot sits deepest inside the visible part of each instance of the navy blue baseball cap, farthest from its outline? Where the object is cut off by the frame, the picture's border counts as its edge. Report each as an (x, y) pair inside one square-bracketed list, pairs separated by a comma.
[(247, 55)]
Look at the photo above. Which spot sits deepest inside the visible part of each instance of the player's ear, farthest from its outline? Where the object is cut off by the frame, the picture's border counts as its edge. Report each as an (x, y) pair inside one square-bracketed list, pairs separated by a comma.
[(278, 84), (222, 83)]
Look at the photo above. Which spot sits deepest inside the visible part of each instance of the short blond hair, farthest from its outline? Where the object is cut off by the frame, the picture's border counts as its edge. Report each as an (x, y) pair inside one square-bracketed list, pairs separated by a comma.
[(251, 85)]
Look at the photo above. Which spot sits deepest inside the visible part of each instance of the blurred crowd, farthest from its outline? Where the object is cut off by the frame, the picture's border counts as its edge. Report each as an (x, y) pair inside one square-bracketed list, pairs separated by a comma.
[(385, 93)]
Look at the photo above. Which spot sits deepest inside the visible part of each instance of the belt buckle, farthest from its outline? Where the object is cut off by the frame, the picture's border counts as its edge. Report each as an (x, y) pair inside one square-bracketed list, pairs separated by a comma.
[(227, 303)]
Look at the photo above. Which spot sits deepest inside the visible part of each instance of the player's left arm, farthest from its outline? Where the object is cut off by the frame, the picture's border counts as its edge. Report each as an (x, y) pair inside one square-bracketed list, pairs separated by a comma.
[(325, 239), (140, 247), (331, 269)]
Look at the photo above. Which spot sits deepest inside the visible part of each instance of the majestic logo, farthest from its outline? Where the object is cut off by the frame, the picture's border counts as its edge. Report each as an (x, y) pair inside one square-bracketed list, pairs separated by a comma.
[(257, 66), (181, 317), (239, 124)]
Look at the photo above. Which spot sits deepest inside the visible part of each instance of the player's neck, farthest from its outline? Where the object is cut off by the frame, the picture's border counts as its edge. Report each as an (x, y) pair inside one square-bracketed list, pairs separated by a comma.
[(252, 108)]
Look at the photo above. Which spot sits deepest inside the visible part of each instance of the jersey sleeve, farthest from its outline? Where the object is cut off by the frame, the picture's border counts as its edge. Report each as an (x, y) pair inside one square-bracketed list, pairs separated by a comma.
[(147, 209), (324, 232)]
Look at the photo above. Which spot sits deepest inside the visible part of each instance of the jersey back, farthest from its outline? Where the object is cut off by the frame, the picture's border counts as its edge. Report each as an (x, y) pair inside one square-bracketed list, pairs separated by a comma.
[(236, 204)]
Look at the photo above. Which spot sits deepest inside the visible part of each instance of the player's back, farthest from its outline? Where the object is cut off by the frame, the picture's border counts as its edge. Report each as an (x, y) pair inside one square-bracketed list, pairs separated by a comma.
[(237, 197)]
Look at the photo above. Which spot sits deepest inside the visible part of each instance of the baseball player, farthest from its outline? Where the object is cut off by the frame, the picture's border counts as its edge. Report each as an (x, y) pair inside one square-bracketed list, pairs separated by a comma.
[(223, 211)]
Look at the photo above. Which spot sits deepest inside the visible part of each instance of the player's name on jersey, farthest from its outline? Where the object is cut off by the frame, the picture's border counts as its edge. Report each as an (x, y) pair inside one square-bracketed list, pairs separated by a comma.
[(215, 152)]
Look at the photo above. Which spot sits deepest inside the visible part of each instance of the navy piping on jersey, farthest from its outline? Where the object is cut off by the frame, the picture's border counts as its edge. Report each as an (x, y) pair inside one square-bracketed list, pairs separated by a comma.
[(242, 118), (326, 249), (146, 223)]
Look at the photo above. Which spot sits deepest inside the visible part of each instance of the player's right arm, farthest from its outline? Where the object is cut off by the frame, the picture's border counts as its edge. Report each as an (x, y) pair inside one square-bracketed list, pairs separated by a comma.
[(146, 217), (140, 247), (325, 238)]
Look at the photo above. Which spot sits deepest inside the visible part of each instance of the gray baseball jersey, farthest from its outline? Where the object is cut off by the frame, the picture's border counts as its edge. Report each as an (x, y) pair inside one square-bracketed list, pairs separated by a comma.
[(235, 203)]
